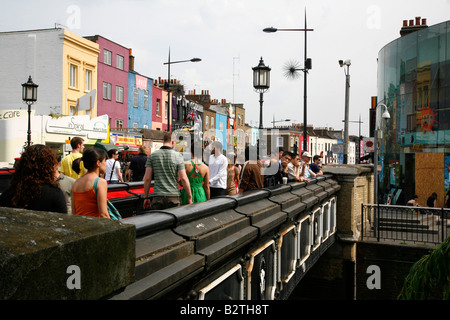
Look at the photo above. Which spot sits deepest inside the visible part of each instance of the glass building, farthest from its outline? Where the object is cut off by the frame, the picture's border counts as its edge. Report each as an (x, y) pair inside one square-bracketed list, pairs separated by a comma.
[(414, 83)]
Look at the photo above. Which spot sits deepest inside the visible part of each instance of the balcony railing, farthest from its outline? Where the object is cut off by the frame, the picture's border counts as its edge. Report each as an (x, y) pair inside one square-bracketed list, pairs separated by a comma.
[(405, 223)]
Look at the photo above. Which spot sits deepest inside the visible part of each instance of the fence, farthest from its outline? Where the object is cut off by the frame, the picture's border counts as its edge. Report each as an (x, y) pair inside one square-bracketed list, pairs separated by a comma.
[(415, 224)]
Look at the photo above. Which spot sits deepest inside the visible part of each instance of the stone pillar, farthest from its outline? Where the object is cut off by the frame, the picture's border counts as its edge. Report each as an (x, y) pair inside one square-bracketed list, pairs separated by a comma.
[(54, 256), (334, 273)]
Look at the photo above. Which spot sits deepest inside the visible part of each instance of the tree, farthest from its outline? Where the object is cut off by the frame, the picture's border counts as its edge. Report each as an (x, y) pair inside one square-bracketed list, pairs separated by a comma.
[(429, 278)]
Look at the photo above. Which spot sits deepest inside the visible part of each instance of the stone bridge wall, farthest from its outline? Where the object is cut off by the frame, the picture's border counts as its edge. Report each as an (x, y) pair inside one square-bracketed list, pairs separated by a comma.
[(225, 248), (218, 249)]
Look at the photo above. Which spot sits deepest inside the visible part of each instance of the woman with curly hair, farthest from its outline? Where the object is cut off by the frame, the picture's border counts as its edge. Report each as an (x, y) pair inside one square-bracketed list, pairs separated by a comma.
[(89, 193), (33, 185)]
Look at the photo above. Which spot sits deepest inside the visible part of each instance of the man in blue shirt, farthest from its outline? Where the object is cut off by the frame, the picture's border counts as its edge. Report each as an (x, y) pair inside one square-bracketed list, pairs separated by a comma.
[(316, 166)]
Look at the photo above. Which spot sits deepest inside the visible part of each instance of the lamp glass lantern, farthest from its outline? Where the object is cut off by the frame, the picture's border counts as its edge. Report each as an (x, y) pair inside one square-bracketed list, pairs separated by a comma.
[(29, 91), (261, 77)]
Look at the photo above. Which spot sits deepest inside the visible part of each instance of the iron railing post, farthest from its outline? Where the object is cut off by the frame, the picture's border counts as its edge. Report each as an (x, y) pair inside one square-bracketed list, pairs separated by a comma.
[(377, 222)]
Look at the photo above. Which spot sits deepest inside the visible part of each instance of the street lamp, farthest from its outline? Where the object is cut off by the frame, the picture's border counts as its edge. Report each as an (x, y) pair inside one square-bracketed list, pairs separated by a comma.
[(347, 64), (167, 87), (305, 71), (283, 120), (261, 83), (29, 96), (378, 125)]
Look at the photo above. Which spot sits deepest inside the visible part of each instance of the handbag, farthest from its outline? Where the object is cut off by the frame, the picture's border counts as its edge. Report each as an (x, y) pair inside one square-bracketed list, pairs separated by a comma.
[(114, 214)]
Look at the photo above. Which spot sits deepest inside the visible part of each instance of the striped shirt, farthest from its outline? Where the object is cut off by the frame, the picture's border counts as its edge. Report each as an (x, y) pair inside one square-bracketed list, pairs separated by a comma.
[(165, 164)]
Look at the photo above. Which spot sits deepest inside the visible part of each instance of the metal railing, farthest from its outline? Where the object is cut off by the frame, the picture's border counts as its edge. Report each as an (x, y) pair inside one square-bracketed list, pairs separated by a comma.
[(405, 223)]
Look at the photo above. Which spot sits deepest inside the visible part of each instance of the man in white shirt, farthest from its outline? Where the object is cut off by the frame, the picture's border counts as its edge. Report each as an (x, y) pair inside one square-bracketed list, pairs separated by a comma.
[(306, 171), (218, 164)]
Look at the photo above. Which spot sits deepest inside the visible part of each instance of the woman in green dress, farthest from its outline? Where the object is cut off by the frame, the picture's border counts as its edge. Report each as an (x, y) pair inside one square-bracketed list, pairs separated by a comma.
[(198, 174)]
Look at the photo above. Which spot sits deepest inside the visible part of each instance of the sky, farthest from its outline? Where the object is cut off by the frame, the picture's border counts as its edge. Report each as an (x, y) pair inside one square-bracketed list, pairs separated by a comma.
[(227, 35)]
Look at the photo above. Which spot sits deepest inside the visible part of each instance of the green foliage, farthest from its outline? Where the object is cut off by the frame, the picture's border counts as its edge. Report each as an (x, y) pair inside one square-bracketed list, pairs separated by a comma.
[(54, 113), (429, 278)]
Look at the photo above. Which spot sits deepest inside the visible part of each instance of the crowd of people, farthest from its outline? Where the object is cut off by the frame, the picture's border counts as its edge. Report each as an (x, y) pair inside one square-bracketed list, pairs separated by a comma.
[(78, 183)]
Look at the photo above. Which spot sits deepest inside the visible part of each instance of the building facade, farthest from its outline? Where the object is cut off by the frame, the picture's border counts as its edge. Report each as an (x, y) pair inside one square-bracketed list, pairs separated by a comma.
[(414, 83), (63, 64), (158, 108), (140, 97), (113, 64)]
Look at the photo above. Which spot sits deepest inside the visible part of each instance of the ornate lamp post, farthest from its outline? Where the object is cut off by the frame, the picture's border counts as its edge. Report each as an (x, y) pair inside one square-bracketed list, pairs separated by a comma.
[(168, 85), (261, 83), (29, 96)]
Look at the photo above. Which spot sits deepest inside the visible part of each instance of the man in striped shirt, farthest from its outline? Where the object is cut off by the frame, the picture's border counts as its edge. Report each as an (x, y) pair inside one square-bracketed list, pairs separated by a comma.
[(167, 166)]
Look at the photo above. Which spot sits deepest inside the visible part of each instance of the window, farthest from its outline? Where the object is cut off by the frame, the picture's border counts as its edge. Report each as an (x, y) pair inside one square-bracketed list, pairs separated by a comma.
[(119, 62), (212, 122), (107, 57), (145, 99), (73, 76), (119, 94), (206, 122), (119, 124), (280, 142), (72, 109), (106, 91), (136, 98), (221, 126), (135, 125), (158, 102), (87, 80)]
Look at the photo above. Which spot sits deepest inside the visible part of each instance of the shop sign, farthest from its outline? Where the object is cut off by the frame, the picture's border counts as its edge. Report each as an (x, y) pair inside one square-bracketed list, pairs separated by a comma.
[(96, 128), (368, 145), (13, 114), (119, 139)]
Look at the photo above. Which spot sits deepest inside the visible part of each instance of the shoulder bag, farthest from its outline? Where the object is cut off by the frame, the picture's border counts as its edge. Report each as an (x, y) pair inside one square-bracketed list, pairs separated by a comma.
[(114, 214)]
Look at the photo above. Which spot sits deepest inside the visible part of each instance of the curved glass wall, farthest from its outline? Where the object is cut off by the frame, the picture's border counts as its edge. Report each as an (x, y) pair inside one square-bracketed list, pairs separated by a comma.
[(414, 82)]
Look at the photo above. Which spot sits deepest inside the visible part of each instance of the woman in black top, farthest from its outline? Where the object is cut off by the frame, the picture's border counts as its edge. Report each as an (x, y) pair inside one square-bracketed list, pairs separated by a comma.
[(431, 201), (34, 185)]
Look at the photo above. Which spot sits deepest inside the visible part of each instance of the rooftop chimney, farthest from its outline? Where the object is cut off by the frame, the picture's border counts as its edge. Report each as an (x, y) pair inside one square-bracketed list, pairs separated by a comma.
[(131, 61), (413, 27)]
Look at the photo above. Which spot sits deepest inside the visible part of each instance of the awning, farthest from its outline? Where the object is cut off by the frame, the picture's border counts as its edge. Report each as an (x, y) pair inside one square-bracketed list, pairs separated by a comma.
[(105, 146)]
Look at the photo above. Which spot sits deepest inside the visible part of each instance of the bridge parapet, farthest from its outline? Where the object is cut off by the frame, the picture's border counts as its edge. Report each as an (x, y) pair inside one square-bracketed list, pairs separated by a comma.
[(255, 245)]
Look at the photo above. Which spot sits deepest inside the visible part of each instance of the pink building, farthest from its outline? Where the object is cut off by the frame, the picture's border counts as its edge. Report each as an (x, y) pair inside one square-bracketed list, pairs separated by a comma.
[(160, 109), (112, 95)]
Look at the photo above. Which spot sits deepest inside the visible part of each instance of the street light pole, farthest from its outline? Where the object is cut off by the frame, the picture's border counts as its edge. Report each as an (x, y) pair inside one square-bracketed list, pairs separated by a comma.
[(346, 63), (385, 115), (168, 85), (305, 72), (261, 83), (29, 96)]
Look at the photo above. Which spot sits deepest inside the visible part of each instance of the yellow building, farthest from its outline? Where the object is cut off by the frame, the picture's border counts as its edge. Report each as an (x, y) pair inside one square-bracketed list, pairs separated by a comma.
[(79, 77)]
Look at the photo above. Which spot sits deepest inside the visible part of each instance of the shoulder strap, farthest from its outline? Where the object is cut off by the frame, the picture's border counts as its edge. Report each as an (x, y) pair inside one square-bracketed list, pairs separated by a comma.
[(242, 173), (193, 168), (95, 184), (112, 170)]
